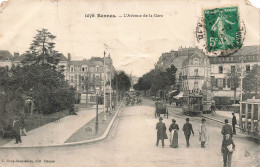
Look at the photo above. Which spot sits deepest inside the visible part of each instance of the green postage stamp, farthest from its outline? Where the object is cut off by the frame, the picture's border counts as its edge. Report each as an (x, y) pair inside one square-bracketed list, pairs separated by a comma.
[(222, 28)]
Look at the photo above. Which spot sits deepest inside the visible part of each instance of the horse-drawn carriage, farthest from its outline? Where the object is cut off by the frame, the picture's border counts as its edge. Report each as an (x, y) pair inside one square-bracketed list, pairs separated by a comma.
[(161, 108)]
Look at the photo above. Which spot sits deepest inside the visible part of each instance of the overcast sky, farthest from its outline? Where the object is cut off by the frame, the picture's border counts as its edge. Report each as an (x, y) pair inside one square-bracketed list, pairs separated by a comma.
[(135, 44)]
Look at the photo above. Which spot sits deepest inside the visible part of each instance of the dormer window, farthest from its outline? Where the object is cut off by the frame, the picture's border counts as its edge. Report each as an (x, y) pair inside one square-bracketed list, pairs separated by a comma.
[(196, 61)]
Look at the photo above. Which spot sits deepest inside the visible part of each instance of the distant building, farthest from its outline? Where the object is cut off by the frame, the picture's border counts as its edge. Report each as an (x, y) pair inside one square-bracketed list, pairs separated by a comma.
[(6, 59)]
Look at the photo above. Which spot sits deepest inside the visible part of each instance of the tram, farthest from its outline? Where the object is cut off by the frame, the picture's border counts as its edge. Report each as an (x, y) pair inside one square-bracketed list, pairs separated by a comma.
[(249, 117), (196, 102)]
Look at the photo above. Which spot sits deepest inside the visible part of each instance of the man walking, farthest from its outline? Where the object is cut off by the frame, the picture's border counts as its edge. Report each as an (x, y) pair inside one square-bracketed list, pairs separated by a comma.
[(234, 122), (227, 149), (187, 129), (226, 129), (161, 132)]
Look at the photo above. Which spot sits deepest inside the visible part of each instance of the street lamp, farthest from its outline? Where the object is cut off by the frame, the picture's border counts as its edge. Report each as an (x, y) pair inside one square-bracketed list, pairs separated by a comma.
[(96, 125), (241, 80), (104, 88)]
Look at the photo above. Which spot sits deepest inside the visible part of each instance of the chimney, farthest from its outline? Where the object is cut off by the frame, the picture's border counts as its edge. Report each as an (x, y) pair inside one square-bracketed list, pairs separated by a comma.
[(69, 56), (16, 54)]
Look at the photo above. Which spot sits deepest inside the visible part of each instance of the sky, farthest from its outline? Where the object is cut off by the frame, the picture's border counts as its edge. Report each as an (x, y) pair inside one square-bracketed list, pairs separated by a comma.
[(134, 43)]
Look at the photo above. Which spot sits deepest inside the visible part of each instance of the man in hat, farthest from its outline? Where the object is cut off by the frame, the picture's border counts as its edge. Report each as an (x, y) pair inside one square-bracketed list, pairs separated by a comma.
[(161, 132), (203, 133), (234, 122), (187, 129), (226, 129), (16, 130)]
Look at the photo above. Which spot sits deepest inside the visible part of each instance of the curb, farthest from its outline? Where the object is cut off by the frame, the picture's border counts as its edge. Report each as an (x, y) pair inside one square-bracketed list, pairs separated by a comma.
[(74, 143)]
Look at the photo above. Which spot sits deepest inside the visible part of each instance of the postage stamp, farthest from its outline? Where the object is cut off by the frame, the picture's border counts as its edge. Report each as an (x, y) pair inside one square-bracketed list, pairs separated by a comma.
[(222, 28)]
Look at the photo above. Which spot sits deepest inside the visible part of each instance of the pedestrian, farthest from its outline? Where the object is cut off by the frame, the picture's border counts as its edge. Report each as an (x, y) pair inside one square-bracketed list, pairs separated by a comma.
[(161, 132), (16, 130), (213, 109), (203, 133), (174, 134), (234, 122), (23, 129), (227, 149), (226, 129), (187, 129)]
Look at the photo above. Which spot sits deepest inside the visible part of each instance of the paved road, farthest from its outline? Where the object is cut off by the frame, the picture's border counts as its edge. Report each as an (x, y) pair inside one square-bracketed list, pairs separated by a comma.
[(132, 143)]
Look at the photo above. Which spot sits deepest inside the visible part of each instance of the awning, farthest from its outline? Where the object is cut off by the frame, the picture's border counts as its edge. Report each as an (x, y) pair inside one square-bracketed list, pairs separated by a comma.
[(180, 95)]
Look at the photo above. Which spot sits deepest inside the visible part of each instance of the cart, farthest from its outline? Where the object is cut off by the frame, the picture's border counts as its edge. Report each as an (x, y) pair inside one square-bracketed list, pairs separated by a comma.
[(160, 108)]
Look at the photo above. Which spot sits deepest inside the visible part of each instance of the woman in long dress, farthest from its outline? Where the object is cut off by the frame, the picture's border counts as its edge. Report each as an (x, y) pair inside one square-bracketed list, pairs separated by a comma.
[(203, 133), (174, 134)]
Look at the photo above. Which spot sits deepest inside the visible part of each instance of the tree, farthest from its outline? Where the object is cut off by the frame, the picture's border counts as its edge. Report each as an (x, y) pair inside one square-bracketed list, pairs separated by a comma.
[(121, 82), (41, 50), (234, 77), (157, 80), (251, 81)]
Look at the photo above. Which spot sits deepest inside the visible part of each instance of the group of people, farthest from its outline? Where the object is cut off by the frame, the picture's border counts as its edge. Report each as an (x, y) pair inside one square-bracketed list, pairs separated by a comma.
[(174, 128), (18, 129), (227, 146)]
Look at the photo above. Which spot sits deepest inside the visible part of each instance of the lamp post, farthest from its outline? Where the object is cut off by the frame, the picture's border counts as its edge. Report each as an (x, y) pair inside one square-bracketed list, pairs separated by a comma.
[(241, 78), (104, 88), (96, 125), (110, 84)]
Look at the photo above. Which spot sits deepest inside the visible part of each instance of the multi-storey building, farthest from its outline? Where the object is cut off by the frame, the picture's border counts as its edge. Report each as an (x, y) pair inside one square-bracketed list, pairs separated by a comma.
[(87, 76), (221, 85), (245, 58)]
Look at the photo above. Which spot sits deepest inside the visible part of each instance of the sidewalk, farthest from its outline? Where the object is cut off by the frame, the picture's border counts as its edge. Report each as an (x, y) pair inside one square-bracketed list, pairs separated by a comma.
[(56, 133)]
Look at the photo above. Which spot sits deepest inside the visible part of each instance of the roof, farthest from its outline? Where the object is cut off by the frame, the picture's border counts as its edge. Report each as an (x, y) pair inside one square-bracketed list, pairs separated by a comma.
[(20, 58), (79, 63), (5, 55), (197, 54), (251, 53), (23, 56)]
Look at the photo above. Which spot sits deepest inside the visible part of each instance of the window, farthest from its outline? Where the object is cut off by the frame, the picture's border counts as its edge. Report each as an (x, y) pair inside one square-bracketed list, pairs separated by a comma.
[(71, 68), (196, 61), (83, 69), (220, 69), (233, 69), (220, 83), (196, 72), (228, 83), (212, 79), (71, 78), (224, 83), (247, 68)]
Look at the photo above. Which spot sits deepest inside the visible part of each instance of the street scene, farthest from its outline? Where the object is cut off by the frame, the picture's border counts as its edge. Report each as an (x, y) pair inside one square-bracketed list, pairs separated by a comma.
[(125, 142), (85, 85)]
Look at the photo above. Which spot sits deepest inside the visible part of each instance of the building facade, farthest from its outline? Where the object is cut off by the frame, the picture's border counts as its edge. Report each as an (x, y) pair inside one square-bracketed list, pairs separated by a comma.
[(221, 67)]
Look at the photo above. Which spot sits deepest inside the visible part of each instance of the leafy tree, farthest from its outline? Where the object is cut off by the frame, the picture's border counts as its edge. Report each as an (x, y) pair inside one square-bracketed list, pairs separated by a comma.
[(157, 79), (251, 81), (121, 82), (234, 77), (41, 50)]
